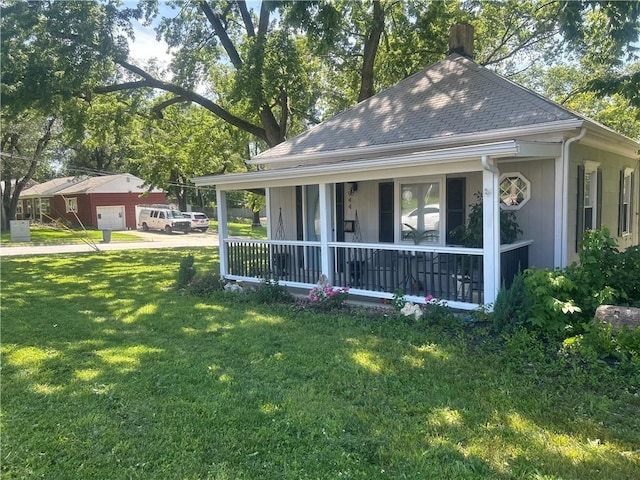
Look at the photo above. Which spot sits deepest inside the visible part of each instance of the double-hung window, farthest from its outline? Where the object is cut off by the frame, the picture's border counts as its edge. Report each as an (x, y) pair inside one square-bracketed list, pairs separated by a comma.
[(72, 205), (420, 211), (625, 218), (589, 199)]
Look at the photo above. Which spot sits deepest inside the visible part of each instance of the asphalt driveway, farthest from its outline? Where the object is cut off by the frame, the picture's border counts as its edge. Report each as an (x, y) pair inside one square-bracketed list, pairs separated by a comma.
[(147, 240)]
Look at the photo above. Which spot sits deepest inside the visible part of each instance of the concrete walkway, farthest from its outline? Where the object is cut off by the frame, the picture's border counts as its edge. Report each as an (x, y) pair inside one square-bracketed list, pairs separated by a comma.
[(147, 240)]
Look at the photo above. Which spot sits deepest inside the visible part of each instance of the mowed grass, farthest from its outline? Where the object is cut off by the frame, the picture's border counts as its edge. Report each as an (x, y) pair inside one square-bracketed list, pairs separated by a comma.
[(109, 373), (43, 235), (237, 229)]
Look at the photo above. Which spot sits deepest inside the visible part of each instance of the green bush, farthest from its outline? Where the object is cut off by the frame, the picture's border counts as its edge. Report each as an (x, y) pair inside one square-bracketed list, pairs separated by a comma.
[(512, 306), (600, 342), (595, 276), (627, 278), (552, 309), (270, 291), (205, 284), (186, 272), (563, 302), (328, 298)]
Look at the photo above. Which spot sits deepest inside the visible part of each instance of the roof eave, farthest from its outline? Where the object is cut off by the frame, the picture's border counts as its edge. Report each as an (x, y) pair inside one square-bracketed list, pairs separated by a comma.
[(353, 169)]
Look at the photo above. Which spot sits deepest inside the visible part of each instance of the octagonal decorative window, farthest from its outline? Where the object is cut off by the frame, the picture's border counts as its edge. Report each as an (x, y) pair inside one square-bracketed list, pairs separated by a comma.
[(515, 191)]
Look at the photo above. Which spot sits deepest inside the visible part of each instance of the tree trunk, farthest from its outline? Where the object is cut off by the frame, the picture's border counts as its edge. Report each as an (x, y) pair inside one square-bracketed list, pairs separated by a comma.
[(370, 51), (10, 202), (256, 219)]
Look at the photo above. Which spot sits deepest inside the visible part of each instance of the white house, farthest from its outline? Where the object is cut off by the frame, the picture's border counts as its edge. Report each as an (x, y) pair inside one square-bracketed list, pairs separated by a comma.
[(340, 195)]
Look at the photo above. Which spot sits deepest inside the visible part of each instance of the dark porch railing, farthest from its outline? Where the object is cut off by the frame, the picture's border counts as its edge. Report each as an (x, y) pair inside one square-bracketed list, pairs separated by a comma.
[(448, 273), (442, 273), (289, 261)]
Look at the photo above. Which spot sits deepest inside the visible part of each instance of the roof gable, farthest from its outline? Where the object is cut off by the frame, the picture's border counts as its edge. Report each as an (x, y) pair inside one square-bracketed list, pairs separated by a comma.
[(452, 97)]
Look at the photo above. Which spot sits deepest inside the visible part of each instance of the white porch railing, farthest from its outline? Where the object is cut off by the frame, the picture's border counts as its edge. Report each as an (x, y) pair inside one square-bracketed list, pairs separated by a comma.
[(454, 274)]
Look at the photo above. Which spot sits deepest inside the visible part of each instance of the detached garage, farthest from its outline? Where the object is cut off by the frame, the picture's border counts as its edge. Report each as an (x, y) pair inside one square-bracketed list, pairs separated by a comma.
[(106, 203)]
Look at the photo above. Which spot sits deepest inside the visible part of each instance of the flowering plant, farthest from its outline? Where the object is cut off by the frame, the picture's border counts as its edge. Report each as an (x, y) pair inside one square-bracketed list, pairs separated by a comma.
[(328, 297), (433, 308)]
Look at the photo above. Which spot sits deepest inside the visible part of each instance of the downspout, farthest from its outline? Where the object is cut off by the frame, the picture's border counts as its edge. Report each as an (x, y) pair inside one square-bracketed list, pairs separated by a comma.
[(491, 250), (565, 195), (487, 166)]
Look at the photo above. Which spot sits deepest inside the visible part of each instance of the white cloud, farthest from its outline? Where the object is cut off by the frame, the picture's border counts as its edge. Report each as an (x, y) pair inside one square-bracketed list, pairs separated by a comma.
[(145, 46)]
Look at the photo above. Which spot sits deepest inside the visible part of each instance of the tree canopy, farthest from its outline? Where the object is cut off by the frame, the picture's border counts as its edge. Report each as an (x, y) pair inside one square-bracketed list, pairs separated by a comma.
[(273, 70), (265, 71)]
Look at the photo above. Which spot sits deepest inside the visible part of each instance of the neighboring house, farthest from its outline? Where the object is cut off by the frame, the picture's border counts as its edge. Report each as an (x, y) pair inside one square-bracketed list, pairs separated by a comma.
[(339, 195), (35, 201), (106, 202)]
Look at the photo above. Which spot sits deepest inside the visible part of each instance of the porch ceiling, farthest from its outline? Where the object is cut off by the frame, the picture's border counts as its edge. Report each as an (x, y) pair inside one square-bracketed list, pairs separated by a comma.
[(446, 160)]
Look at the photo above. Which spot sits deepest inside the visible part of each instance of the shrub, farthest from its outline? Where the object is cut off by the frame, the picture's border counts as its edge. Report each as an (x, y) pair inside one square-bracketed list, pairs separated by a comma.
[(595, 277), (186, 272), (270, 291), (328, 298), (627, 279), (205, 284), (438, 312), (512, 306), (601, 342), (398, 301), (552, 309)]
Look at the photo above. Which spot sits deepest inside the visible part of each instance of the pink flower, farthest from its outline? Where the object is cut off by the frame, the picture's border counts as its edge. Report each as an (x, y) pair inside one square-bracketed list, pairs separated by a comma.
[(428, 298)]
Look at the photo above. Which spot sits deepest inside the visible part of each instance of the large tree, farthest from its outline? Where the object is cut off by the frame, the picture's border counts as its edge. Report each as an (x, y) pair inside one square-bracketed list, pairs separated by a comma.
[(99, 135), (51, 52), (272, 72), (185, 142)]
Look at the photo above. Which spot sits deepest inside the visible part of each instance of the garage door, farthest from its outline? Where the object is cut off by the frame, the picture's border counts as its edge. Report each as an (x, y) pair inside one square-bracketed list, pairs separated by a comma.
[(111, 218)]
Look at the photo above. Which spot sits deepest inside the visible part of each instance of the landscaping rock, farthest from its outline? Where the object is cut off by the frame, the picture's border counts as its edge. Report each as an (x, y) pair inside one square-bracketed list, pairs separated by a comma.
[(233, 288), (619, 317)]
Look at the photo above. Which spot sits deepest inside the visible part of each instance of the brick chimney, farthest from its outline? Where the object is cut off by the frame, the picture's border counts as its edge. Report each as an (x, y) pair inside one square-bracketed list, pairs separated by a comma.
[(461, 39)]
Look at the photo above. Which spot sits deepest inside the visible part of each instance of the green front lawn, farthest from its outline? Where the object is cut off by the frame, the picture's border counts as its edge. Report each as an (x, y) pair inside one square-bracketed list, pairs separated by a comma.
[(108, 372), (43, 235), (243, 230)]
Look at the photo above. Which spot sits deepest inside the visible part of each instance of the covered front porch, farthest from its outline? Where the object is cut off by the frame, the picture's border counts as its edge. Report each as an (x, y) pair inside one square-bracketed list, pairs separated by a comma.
[(454, 274), (371, 246)]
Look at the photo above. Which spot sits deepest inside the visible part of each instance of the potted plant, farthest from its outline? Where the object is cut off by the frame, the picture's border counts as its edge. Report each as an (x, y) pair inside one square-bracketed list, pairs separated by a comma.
[(471, 233)]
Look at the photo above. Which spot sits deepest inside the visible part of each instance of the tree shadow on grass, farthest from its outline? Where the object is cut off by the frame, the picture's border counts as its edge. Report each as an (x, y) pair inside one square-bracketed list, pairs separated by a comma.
[(134, 379)]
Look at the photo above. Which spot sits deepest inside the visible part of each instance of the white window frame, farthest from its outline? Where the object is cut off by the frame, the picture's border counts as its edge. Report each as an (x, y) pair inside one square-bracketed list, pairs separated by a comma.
[(627, 196), (399, 182), (71, 205), (45, 202), (526, 194), (590, 172)]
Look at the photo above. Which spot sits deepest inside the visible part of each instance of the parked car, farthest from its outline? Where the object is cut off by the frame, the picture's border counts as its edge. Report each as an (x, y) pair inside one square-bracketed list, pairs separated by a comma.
[(199, 221), (431, 217), (163, 219)]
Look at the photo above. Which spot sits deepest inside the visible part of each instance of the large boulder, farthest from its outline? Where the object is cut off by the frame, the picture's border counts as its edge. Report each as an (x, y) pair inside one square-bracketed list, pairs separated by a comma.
[(619, 317)]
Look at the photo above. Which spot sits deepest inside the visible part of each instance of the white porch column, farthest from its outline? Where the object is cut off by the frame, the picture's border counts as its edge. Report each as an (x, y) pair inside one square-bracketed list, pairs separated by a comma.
[(491, 230), (268, 210), (326, 230), (223, 231), (558, 216)]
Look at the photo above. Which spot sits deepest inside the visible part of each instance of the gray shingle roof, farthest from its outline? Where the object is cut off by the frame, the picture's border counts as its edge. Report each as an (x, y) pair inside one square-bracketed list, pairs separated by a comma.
[(452, 97)]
